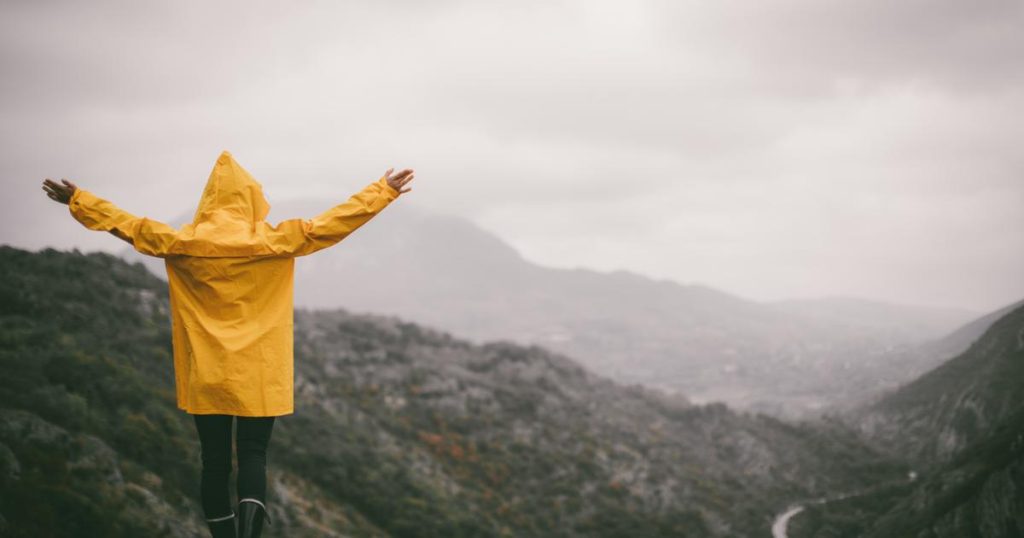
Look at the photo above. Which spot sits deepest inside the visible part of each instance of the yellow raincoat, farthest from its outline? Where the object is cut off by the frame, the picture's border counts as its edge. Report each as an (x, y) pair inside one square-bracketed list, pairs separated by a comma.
[(230, 275)]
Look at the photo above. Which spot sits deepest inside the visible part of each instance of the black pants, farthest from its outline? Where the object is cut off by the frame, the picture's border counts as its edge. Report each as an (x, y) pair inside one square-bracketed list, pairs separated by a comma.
[(252, 437)]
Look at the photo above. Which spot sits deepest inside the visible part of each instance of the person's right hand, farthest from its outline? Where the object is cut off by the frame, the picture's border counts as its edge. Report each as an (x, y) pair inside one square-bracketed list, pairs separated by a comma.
[(396, 181), (57, 192)]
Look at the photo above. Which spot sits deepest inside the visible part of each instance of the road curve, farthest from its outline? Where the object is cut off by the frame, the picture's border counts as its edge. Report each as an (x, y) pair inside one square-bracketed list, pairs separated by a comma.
[(782, 521)]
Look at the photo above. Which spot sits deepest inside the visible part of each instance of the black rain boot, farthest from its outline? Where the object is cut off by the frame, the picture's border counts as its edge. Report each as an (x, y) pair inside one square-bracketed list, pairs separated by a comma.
[(222, 527), (251, 513)]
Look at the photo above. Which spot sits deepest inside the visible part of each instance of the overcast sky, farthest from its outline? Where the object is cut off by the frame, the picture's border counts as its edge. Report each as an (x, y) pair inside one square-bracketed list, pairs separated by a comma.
[(771, 149)]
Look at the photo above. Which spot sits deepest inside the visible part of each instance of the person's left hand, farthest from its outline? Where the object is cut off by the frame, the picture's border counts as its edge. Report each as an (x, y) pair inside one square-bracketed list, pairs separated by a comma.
[(396, 181), (57, 192)]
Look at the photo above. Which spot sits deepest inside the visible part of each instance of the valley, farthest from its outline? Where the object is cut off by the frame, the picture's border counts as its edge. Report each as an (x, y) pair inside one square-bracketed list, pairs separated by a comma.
[(407, 430)]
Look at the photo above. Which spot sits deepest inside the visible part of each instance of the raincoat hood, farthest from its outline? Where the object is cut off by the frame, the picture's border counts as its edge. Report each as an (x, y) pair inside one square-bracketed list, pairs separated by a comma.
[(232, 201), (230, 218)]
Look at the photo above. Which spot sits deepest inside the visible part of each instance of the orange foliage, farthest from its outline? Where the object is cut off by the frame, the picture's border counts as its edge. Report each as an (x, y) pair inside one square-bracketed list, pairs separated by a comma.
[(431, 439), (449, 444)]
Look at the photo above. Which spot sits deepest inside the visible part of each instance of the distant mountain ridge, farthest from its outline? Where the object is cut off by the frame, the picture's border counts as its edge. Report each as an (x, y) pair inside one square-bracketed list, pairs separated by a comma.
[(789, 357), (918, 322)]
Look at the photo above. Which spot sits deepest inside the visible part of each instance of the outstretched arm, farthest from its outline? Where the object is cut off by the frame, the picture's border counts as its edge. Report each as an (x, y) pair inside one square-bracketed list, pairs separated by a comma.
[(147, 236), (299, 237)]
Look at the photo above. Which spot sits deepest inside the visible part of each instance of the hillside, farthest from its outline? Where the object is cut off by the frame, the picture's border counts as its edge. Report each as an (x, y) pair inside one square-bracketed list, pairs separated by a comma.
[(787, 358), (400, 430), (978, 493), (963, 426), (958, 403), (959, 340), (908, 363)]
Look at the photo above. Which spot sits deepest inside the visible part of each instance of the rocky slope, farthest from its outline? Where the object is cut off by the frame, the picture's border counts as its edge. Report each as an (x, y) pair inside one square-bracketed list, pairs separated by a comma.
[(401, 430)]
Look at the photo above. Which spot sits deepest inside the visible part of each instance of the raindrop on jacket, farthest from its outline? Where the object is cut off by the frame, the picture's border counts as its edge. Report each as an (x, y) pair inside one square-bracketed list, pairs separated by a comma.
[(230, 277)]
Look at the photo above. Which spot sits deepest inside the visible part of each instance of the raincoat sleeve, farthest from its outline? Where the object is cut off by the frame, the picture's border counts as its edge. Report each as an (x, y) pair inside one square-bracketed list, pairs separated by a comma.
[(299, 237), (147, 236)]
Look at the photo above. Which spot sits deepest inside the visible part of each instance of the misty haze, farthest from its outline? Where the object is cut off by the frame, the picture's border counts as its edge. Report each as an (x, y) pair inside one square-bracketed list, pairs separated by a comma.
[(666, 269)]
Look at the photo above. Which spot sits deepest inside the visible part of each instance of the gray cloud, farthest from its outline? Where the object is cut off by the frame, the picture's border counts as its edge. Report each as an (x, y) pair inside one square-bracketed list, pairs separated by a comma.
[(773, 149)]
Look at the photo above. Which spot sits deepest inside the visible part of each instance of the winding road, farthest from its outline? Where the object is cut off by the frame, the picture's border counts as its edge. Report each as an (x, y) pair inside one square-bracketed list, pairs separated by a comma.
[(782, 521)]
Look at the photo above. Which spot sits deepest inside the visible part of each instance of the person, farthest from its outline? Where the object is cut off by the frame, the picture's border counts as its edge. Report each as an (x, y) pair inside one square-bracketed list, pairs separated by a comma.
[(230, 280)]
